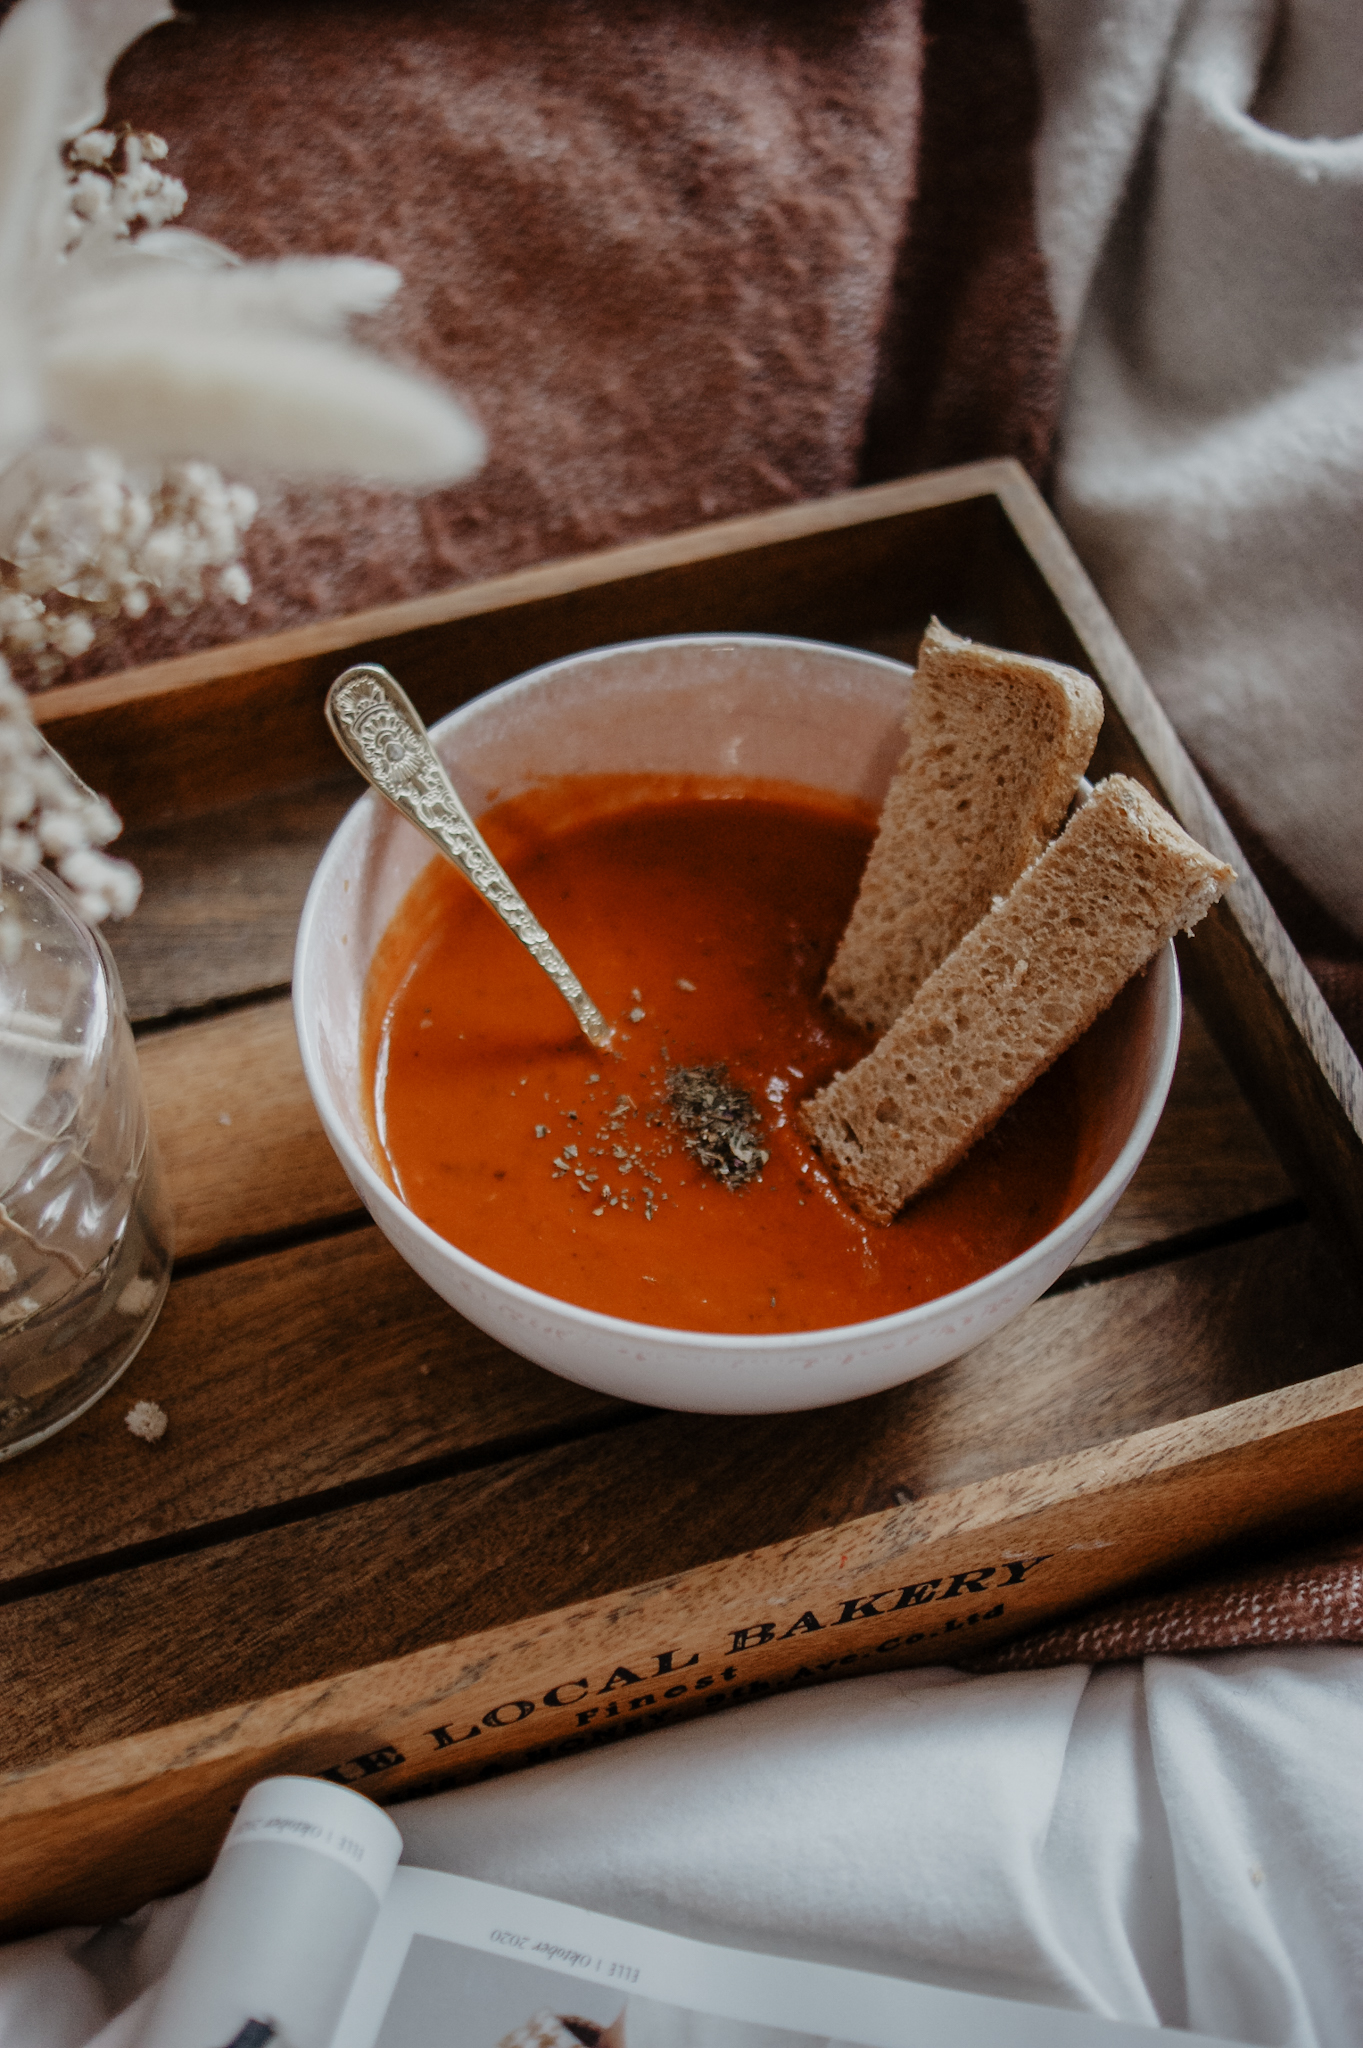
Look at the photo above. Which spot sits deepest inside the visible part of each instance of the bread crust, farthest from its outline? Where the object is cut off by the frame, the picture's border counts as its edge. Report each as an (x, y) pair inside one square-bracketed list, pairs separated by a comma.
[(1030, 977), (996, 746)]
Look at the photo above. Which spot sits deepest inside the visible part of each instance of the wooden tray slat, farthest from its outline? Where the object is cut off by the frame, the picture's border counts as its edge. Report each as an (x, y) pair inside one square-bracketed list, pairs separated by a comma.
[(221, 898), (98, 1831), (661, 1496), (1208, 1163), (203, 730), (284, 1377), (241, 1145), (1269, 1018)]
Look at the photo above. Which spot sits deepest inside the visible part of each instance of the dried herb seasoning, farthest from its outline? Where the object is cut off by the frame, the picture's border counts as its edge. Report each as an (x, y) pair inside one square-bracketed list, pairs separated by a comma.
[(719, 1123)]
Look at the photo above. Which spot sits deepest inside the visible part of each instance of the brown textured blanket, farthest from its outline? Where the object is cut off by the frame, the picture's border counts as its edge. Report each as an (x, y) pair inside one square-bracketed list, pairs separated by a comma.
[(1315, 1596), (684, 258)]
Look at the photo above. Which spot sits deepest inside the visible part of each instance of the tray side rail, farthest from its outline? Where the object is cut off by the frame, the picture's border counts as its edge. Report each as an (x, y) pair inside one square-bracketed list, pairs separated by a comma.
[(1271, 1022), (95, 1834)]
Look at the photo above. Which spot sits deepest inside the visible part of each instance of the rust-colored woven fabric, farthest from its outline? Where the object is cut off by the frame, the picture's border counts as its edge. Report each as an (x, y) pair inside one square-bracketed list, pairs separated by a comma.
[(651, 245), (1313, 1597), (970, 355), (670, 252)]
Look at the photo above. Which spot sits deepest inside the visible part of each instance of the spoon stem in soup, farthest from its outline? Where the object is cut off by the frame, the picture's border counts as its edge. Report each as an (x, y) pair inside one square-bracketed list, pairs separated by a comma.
[(379, 731)]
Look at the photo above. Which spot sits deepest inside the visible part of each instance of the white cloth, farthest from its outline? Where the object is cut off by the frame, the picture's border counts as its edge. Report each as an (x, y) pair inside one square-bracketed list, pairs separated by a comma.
[(1176, 1842), (1200, 197)]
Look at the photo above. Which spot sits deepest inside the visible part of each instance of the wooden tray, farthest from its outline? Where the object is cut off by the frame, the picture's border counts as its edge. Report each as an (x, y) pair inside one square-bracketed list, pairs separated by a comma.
[(375, 1545)]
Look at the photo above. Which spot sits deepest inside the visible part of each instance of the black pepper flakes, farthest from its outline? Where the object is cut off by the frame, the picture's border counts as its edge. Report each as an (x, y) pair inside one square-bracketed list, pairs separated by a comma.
[(719, 1123)]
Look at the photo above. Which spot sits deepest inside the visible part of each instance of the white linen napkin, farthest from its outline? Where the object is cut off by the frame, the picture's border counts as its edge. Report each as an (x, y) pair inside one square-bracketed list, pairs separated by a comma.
[(1175, 1842)]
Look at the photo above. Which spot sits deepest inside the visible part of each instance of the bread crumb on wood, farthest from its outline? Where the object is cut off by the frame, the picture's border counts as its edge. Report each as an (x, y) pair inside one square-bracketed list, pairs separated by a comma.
[(147, 1419), (997, 743)]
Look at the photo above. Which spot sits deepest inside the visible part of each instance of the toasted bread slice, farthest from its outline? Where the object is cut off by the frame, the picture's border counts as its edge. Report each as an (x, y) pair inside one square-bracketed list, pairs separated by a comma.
[(997, 744), (1023, 985)]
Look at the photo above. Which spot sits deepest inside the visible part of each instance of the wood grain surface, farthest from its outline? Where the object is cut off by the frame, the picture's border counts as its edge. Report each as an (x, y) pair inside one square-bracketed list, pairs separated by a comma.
[(364, 1514), (102, 1827), (322, 1594), (243, 1150), (192, 733), (1209, 1161), (221, 897), (299, 1374)]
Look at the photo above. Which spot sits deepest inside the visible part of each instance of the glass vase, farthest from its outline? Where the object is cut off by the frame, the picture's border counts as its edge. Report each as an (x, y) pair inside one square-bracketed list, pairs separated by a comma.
[(85, 1231)]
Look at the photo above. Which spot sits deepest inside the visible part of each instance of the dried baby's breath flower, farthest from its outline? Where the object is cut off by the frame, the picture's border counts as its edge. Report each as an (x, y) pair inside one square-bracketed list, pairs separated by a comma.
[(138, 1296), (147, 1419), (124, 343), (85, 537), (47, 813), (127, 344), (114, 186)]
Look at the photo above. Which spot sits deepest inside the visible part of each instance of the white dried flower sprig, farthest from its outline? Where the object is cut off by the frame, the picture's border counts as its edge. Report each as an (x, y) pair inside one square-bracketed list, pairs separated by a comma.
[(115, 185), (159, 343), (47, 813), (134, 357), (85, 537), (148, 1420)]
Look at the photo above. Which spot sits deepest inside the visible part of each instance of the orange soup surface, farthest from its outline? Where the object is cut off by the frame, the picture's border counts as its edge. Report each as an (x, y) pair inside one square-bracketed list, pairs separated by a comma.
[(702, 915)]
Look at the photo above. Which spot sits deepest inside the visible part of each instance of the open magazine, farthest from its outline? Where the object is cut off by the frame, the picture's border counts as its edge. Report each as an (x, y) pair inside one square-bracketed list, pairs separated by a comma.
[(308, 1935)]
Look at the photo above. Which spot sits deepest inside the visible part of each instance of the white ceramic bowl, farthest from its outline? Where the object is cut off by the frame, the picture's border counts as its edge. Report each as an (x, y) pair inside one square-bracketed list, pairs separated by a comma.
[(798, 711)]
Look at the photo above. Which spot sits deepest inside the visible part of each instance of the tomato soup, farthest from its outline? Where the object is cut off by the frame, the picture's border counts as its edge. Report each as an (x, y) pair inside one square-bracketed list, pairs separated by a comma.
[(701, 915)]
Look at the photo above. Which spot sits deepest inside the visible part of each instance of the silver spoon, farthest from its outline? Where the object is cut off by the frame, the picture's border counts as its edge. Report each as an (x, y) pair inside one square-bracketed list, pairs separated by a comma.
[(377, 728)]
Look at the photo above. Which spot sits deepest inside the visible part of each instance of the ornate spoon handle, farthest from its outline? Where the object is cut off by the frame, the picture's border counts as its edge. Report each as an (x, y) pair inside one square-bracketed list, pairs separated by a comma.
[(378, 729)]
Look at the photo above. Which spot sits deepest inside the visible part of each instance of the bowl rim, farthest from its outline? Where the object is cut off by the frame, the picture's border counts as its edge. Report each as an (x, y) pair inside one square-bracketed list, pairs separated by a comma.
[(1076, 1224)]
